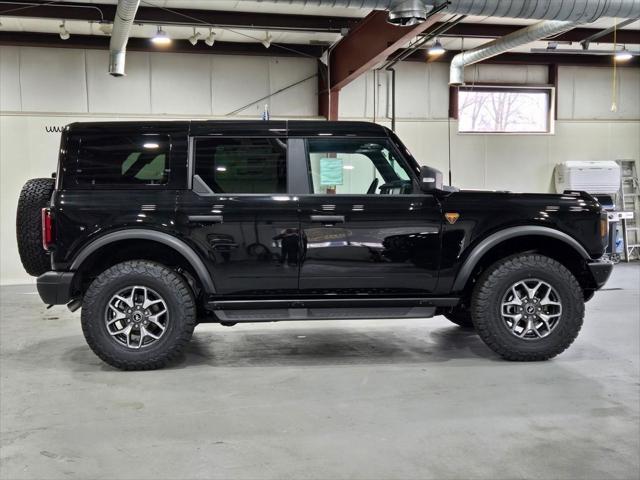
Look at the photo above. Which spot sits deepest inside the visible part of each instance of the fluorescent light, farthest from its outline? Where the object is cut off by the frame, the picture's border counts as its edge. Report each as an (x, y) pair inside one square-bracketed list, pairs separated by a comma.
[(221, 169), (161, 37), (348, 167), (436, 48), (64, 33), (210, 40), (623, 55), (150, 145)]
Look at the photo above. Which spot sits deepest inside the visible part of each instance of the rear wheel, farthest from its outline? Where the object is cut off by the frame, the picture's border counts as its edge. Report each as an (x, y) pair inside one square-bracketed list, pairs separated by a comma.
[(138, 315), (34, 196), (528, 307)]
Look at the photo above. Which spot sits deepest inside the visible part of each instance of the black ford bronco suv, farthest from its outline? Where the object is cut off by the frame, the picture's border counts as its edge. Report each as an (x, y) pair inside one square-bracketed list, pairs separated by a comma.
[(153, 227)]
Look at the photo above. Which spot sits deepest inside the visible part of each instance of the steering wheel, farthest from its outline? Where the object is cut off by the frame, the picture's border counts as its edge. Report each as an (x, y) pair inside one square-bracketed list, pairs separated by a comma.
[(373, 186)]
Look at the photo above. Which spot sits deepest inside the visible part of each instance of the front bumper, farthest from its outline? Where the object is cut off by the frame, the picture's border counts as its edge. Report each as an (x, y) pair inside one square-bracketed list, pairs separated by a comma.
[(600, 271), (55, 288)]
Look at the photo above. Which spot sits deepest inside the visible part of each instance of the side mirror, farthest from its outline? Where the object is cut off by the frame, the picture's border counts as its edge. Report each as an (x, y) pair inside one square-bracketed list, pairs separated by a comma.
[(430, 179)]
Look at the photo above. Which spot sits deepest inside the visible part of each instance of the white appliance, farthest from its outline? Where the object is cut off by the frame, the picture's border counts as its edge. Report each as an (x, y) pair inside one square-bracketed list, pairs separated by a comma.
[(599, 177)]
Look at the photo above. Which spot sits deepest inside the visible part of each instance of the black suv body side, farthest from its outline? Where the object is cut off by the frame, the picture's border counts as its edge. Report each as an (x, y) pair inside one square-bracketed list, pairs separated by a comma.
[(246, 212)]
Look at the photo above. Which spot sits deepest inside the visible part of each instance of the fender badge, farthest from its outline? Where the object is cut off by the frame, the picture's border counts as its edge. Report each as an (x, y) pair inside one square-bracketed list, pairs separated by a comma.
[(452, 217)]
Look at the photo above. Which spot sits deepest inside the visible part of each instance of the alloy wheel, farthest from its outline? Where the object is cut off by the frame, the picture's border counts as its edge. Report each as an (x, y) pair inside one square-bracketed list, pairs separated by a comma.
[(531, 309), (136, 317)]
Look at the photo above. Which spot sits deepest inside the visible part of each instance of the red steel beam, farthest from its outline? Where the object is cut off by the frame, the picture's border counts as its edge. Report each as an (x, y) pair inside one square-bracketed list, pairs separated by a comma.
[(370, 42)]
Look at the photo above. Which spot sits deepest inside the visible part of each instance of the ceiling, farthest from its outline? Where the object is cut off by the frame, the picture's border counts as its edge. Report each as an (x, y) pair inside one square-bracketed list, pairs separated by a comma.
[(251, 35)]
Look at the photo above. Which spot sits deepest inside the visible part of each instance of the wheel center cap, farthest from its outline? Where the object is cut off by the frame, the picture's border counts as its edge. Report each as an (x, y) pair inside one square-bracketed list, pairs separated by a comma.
[(530, 309), (137, 317)]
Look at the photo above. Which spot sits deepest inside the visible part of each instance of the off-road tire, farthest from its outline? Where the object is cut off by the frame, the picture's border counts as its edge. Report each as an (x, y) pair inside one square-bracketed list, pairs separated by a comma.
[(173, 288), (34, 196), (492, 286), (461, 317)]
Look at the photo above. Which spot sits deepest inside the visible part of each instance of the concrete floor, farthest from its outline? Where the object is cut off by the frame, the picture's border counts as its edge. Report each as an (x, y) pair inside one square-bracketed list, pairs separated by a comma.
[(357, 399)]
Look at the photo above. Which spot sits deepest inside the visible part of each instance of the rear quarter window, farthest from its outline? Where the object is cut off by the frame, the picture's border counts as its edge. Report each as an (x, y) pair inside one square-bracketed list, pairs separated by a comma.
[(119, 160)]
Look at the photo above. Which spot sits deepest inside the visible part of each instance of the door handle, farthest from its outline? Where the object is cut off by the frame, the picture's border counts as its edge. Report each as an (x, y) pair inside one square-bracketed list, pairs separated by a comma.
[(327, 218), (206, 218), (225, 246)]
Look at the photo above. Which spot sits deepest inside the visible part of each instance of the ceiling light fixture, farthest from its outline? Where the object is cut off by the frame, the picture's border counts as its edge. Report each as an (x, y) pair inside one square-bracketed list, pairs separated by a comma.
[(623, 55), (211, 39), (436, 48), (267, 40), (64, 33), (193, 39), (161, 37)]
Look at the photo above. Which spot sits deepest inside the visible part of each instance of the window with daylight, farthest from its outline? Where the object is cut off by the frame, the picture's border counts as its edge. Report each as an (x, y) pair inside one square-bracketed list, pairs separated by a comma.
[(504, 110)]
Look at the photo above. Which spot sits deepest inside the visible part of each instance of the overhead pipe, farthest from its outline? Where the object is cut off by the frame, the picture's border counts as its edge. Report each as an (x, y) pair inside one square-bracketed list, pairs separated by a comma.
[(569, 10), (410, 12), (125, 14), (529, 34)]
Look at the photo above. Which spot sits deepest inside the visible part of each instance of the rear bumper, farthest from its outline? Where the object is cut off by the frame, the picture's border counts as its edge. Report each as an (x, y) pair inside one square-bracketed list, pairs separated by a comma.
[(600, 271), (54, 288)]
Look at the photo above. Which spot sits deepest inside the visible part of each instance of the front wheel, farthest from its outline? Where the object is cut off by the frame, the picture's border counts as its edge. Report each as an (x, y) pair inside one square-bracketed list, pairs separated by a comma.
[(528, 307), (138, 315)]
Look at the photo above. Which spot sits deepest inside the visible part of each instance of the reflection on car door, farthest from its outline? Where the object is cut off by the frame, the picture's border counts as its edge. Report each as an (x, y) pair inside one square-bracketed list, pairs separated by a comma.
[(239, 214), (363, 227)]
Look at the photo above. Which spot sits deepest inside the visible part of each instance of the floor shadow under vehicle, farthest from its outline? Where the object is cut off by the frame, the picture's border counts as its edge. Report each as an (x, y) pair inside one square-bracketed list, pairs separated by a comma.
[(332, 346)]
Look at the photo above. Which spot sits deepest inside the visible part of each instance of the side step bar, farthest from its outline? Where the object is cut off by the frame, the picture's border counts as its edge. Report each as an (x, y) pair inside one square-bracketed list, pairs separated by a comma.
[(232, 311)]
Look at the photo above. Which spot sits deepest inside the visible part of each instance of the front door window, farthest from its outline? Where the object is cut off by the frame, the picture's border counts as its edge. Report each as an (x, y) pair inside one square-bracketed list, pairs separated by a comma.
[(357, 167)]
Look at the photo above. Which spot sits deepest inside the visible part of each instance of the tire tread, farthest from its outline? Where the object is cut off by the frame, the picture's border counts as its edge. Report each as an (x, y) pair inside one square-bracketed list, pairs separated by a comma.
[(489, 281), (34, 196), (173, 280)]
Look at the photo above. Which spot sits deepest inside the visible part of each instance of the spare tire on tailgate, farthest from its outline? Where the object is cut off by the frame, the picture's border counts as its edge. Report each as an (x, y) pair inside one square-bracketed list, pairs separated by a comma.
[(35, 195)]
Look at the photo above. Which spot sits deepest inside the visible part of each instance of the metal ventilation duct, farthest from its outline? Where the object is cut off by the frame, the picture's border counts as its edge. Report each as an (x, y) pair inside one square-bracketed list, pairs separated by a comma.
[(125, 13), (569, 10), (410, 12), (540, 30)]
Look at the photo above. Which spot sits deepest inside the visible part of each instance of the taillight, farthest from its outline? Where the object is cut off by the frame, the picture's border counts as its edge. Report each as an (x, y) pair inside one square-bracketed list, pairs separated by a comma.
[(47, 229)]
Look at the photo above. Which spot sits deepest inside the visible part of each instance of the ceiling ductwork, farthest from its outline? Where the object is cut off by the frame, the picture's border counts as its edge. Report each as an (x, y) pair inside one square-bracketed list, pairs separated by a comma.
[(408, 12), (557, 17), (125, 14), (583, 11), (532, 33), (412, 12)]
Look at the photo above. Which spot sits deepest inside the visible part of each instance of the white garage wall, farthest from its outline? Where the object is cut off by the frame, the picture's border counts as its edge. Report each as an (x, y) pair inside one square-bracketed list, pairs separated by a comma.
[(586, 128), (75, 81), (52, 87), (43, 87)]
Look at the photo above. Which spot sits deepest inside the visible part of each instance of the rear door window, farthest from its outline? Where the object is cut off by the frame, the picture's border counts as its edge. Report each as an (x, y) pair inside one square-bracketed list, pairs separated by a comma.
[(242, 165), (122, 160)]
